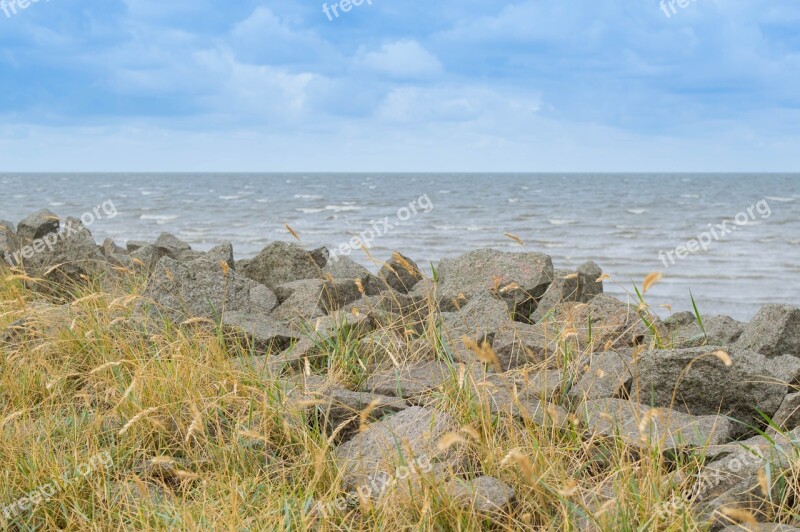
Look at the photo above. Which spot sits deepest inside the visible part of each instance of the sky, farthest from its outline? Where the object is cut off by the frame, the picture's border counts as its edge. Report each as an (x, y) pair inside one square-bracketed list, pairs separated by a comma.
[(400, 85)]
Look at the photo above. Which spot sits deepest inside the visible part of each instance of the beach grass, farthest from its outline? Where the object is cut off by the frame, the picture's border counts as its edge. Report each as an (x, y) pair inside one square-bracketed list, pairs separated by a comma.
[(147, 424)]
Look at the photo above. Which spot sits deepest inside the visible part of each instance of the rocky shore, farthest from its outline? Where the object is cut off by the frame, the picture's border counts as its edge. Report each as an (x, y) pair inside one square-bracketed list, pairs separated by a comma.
[(542, 347)]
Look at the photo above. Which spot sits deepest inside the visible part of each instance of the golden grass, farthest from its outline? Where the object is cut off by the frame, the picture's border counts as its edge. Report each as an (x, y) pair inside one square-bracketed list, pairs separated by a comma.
[(197, 444)]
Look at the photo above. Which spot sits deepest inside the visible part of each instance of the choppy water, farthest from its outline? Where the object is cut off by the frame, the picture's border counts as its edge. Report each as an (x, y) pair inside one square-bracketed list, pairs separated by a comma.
[(619, 221)]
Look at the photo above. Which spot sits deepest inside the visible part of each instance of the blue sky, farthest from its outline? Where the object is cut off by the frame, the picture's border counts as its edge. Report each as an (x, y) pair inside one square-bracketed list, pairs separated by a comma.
[(400, 85)]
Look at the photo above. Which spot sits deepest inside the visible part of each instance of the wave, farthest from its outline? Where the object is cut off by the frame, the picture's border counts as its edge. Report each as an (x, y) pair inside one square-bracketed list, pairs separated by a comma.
[(637, 211), (780, 199), (558, 221), (159, 218)]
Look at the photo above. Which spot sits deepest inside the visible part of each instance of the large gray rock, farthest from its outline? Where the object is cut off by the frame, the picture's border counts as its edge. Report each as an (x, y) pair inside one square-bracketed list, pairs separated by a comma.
[(581, 286), (202, 288), (282, 262), (519, 279), (400, 273), (404, 438), (605, 323), (146, 257), (312, 298), (732, 480), (412, 382), (517, 344), (260, 331), (685, 331), (8, 241), (645, 427), (698, 382), (505, 397), (479, 320), (37, 225), (485, 495), (606, 374), (774, 331), (72, 257)]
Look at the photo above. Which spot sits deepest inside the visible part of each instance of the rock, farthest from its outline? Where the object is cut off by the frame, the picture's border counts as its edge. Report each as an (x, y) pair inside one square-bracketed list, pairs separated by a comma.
[(505, 397), (406, 437), (580, 286), (485, 495), (222, 253), (785, 369), (605, 322), (109, 248), (788, 415), (133, 245), (685, 331), (642, 427), (547, 384), (606, 374), (262, 332), (708, 386), (171, 245), (479, 320), (293, 357), (72, 257), (411, 382), (346, 268), (400, 273), (732, 481), (339, 410), (312, 298), (281, 262), (517, 344), (37, 225), (774, 331), (146, 257), (519, 279), (8, 241), (201, 288)]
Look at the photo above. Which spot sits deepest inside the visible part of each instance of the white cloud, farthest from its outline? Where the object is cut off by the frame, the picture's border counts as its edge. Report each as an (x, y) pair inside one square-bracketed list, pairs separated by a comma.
[(401, 59)]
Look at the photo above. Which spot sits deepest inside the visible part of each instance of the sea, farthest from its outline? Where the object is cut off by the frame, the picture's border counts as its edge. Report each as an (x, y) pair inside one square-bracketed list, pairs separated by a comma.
[(731, 241)]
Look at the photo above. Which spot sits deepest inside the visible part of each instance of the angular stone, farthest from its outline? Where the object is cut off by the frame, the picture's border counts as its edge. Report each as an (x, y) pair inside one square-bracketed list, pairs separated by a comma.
[(412, 381), (281, 262), (774, 331), (400, 273), (312, 298), (519, 279), (485, 495), (579, 286), (517, 344), (685, 331), (788, 415), (606, 374), (37, 225), (408, 436), (73, 256), (201, 288), (505, 397), (606, 322), (146, 257), (732, 480), (262, 332), (697, 382), (642, 427)]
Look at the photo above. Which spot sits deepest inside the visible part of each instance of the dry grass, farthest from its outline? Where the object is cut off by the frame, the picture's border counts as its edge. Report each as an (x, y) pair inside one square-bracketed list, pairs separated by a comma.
[(197, 444)]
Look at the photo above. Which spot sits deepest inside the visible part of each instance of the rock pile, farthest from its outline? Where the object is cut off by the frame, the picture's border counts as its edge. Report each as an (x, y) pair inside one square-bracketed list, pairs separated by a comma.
[(679, 385)]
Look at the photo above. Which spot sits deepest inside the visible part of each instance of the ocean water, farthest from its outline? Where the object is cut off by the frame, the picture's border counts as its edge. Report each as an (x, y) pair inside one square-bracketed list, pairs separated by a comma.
[(622, 222)]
